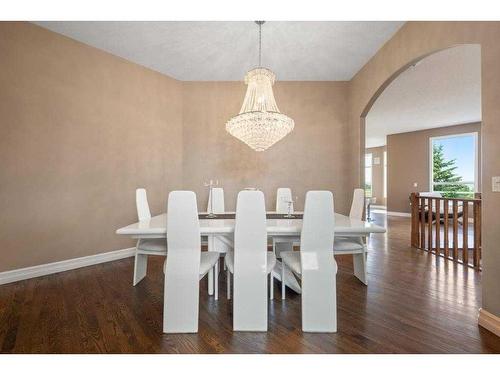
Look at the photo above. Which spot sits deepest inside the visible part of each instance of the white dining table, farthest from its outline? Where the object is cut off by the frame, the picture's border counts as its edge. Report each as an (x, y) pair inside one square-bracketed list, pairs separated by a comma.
[(223, 228)]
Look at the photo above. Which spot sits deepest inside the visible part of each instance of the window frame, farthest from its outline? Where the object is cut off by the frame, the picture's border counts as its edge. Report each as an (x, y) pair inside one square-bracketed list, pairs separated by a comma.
[(370, 154), (476, 160)]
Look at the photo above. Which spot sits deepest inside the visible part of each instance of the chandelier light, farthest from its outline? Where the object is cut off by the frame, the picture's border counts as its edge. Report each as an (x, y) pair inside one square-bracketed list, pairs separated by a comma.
[(259, 124)]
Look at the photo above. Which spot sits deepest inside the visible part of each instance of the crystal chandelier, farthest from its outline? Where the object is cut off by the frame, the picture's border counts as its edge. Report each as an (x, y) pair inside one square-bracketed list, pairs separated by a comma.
[(259, 124)]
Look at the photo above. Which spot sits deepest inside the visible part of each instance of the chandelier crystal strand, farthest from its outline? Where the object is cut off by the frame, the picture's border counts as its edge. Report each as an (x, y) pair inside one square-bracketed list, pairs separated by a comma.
[(259, 123)]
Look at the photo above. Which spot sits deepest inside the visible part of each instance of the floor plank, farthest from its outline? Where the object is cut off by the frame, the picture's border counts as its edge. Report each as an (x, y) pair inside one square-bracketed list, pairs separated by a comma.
[(415, 303)]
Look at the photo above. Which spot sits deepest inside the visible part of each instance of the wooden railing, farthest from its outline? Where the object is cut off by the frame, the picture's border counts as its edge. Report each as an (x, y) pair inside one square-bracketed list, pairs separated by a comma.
[(447, 227)]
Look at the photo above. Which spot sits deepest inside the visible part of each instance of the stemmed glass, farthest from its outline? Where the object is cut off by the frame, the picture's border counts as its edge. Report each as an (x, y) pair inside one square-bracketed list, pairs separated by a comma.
[(289, 207), (211, 184)]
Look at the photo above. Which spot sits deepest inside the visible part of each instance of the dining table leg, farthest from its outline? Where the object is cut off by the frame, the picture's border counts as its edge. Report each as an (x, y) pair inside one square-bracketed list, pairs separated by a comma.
[(211, 272), (140, 268), (359, 263)]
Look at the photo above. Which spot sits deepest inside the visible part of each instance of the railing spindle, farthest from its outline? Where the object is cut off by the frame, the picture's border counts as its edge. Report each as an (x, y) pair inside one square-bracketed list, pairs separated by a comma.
[(446, 229), (455, 230), (465, 233), (438, 226)]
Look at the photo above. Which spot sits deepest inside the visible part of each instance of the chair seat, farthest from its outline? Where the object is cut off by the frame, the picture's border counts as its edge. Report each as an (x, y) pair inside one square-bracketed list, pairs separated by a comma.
[(229, 259), (348, 245), (279, 239), (207, 261), (156, 245), (292, 261), (295, 241)]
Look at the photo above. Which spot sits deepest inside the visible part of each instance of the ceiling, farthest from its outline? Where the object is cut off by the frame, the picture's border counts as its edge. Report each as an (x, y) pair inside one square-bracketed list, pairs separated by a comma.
[(224, 51), (441, 90)]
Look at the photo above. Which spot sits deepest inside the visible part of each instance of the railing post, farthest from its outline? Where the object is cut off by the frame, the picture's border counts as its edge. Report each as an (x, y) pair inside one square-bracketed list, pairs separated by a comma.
[(477, 234), (414, 219), (422, 223), (429, 223)]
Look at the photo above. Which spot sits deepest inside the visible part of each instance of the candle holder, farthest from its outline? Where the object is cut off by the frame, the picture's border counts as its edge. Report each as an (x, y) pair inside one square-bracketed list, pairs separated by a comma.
[(211, 184)]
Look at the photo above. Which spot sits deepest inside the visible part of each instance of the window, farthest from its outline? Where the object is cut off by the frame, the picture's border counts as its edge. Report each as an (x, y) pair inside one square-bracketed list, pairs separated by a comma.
[(368, 175), (454, 165)]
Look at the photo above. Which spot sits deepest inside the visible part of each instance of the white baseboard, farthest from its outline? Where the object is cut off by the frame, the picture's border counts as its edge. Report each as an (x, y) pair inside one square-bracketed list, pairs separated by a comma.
[(403, 214), (65, 265)]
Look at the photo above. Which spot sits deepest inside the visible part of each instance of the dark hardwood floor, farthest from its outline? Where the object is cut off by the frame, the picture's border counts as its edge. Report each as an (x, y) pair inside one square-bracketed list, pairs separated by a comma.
[(415, 303)]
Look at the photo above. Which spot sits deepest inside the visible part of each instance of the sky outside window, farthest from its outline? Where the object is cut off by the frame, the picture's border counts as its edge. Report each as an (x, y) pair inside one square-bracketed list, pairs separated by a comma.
[(462, 149)]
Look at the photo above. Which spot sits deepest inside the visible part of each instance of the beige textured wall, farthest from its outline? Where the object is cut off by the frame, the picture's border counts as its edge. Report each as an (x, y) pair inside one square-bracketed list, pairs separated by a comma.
[(412, 42), (82, 129), (311, 157), (377, 174), (410, 162), (79, 130)]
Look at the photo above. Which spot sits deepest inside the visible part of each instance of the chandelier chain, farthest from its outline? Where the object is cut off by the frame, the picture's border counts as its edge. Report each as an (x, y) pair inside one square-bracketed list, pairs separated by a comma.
[(260, 44)]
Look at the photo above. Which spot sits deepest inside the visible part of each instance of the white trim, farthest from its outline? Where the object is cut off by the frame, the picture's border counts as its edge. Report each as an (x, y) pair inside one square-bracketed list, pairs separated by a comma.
[(403, 214), (64, 265), (385, 174)]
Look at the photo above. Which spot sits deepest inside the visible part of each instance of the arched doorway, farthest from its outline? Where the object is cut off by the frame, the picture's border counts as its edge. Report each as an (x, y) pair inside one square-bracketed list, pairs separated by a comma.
[(439, 96), (414, 41)]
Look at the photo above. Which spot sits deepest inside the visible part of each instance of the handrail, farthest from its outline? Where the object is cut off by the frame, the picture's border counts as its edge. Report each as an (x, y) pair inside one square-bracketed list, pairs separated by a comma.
[(477, 199), (427, 219)]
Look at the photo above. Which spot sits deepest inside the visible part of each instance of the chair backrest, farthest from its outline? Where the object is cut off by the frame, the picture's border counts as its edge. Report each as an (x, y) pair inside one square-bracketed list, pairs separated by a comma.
[(141, 202), (283, 195), (216, 199), (358, 204), (250, 263), (318, 223), (183, 226), (318, 265), (182, 266), (250, 233)]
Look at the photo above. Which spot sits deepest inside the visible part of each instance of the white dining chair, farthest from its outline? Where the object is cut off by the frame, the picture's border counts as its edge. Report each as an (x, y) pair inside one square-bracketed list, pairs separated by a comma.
[(315, 265), (185, 265), (145, 247), (354, 246), (250, 263)]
